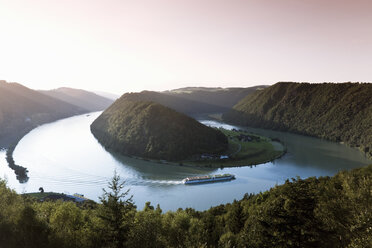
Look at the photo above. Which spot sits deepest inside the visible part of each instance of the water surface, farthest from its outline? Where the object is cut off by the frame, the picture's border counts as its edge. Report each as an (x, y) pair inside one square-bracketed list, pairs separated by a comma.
[(65, 157)]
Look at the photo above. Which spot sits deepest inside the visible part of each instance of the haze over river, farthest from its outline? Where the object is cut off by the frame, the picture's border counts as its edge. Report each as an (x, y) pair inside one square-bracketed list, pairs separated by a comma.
[(63, 156)]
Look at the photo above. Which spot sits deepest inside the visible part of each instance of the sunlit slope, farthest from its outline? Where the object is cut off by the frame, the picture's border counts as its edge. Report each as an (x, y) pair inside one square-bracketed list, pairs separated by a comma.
[(337, 112), (22, 109), (150, 130)]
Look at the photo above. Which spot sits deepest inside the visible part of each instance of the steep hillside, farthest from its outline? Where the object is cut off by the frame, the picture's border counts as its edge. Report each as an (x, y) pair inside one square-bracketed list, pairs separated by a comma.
[(223, 97), (22, 109), (81, 98), (150, 130), (338, 112)]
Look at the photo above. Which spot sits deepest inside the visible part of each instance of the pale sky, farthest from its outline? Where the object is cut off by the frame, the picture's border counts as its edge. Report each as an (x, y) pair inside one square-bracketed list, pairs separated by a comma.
[(132, 45)]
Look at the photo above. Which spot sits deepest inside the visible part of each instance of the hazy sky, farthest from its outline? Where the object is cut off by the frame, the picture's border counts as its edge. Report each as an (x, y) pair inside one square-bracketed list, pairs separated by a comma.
[(131, 45)]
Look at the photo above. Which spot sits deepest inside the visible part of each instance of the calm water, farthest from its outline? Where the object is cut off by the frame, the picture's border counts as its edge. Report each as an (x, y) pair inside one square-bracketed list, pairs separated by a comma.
[(65, 157)]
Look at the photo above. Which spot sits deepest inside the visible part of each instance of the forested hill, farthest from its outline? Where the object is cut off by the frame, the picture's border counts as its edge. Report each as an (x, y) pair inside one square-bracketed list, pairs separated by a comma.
[(223, 97), (194, 101), (180, 104), (81, 98), (150, 130), (22, 109), (337, 112)]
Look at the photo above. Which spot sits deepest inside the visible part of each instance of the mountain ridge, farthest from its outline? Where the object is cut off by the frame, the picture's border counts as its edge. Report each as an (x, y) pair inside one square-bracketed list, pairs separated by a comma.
[(225, 98), (22, 109), (81, 98), (337, 112)]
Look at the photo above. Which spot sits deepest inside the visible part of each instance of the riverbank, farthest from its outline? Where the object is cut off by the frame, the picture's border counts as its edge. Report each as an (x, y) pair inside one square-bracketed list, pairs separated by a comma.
[(20, 171), (10, 143), (244, 149), (53, 196), (88, 167)]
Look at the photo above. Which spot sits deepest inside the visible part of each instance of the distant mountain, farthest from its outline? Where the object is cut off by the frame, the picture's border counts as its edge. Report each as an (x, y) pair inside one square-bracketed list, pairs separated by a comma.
[(178, 103), (22, 109), (81, 98), (225, 98), (150, 130), (107, 95), (337, 112)]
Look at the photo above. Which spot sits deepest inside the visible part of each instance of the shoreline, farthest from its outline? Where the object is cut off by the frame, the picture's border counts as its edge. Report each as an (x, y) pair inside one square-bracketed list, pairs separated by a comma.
[(346, 143), (20, 171), (216, 163)]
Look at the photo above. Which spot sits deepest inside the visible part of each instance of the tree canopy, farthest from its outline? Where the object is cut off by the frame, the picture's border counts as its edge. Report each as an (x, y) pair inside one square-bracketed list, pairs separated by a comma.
[(314, 212), (150, 130), (337, 112)]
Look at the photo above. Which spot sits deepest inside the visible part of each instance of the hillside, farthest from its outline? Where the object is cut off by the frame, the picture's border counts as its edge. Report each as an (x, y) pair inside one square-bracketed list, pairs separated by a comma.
[(180, 104), (81, 98), (337, 112), (194, 101), (150, 130), (332, 212), (223, 97), (22, 109)]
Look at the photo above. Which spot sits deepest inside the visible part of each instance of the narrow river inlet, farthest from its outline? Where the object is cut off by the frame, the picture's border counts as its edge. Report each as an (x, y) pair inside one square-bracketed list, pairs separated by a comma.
[(63, 156)]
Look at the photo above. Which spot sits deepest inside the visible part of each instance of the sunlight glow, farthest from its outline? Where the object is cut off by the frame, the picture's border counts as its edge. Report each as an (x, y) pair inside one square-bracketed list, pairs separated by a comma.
[(121, 46)]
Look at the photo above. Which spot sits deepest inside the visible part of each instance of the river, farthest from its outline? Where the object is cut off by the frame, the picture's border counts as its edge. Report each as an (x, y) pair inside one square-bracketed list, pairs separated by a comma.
[(63, 156)]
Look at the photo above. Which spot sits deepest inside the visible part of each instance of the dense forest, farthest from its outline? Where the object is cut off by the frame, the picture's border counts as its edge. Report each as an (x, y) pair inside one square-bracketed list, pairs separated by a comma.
[(180, 104), (337, 112), (194, 101), (313, 212), (150, 130)]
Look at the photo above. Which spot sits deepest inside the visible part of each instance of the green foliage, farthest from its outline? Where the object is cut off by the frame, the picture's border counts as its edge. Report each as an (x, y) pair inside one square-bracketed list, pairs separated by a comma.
[(313, 212), (337, 112), (116, 214), (146, 231), (150, 130), (242, 153)]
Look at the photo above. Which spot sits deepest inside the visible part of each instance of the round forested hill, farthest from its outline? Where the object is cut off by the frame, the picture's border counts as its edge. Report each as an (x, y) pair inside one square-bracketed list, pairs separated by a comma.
[(150, 130)]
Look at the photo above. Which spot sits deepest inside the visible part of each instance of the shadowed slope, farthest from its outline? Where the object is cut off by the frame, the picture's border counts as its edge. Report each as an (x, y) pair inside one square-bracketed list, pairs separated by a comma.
[(148, 129), (22, 109)]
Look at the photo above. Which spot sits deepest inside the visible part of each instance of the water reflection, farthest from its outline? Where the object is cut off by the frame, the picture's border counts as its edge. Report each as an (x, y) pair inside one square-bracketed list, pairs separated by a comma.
[(65, 157), (160, 171)]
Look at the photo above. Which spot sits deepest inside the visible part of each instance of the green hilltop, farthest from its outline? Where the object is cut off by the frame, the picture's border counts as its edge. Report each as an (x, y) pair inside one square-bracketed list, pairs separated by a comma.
[(337, 112), (149, 130)]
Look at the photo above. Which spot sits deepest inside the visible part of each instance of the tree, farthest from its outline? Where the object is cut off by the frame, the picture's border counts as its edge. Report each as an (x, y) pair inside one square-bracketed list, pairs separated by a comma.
[(116, 213), (147, 228)]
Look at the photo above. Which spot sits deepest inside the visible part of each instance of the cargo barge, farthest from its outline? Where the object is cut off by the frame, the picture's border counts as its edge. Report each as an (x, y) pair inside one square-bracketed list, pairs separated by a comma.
[(208, 179)]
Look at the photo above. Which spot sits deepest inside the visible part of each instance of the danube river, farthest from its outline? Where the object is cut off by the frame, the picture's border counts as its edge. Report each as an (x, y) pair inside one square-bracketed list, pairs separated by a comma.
[(63, 156)]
